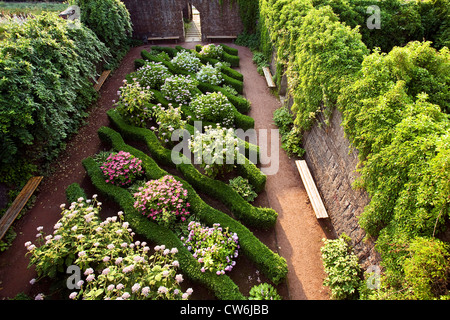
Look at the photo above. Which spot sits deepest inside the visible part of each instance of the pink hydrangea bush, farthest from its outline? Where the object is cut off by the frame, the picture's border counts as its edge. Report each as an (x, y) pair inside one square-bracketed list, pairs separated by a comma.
[(121, 168), (163, 200), (215, 248)]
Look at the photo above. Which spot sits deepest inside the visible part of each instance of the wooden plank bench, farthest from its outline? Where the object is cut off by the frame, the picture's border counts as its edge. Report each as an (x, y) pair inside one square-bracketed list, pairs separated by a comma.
[(152, 39), (13, 211), (311, 189), (221, 37), (269, 78), (101, 80)]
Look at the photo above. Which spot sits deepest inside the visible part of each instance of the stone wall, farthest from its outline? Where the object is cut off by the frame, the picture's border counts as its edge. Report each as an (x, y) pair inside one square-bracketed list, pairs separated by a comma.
[(333, 168), (157, 18)]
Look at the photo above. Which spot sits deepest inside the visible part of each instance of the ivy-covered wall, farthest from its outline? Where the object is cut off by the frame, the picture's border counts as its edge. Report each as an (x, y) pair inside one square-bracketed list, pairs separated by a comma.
[(394, 105), (156, 18)]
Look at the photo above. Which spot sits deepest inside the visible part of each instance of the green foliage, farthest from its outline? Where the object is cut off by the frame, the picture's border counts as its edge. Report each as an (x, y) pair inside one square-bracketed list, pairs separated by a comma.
[(168, 119), (213, 107), (215, 248), (133, 103), (152, 74), (401, 137), (400, 21), (244, 188), (260, 60), (323, 63), (45, 66), (267, 261), (27, 8), (110, 20), (393, 114), (342, 268), (427, 270), (263, 291), (291, 135)]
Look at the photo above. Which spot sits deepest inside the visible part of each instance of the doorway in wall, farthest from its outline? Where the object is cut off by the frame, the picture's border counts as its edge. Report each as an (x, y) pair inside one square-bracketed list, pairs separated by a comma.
[(194, 29)]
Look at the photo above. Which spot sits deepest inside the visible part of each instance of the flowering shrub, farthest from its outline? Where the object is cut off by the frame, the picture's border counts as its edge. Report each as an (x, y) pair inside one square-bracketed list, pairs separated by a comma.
[(114, 266), (133, 102), (179, 88), (214, 247), (187, 60), (152, 74), (211, 51), (121, 168), (162, 200), (213, 107), (215, 150), (210, 74), (168, 120)]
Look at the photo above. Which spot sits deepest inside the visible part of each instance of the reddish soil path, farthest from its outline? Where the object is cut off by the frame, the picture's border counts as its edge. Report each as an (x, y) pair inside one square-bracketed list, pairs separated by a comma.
[(297, 235)]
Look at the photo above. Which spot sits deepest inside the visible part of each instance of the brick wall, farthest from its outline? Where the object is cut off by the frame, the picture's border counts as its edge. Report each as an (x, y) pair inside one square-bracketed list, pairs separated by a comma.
[(333, 170), (157, 18)]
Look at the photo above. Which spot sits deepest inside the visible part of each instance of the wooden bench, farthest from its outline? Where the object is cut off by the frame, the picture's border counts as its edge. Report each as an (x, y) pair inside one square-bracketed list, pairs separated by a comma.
[(11, 214), (101, 80), (311, 189), (221, 37), (269, 78), (152, 39)]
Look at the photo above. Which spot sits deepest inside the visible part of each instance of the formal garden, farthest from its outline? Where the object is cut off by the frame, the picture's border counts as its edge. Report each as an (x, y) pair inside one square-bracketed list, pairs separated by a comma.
[(170, 204)]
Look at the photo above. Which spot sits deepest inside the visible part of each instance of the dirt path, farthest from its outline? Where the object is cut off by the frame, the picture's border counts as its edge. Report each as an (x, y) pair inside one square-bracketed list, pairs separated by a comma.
[(298, 234)]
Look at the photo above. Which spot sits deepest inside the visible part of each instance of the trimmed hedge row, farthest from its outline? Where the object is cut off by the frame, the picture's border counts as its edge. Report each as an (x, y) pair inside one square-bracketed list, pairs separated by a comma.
[(225, 70), (241, 104), (270, 263), (223, 287), (232, 59), (73, 192), (250, 215)]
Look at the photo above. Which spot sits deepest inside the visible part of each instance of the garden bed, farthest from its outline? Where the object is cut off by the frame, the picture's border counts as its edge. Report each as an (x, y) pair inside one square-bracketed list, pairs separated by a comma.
[(246, 273)]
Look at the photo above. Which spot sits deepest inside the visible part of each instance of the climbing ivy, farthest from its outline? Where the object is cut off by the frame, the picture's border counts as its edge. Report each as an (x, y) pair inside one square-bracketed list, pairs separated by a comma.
[(45, 66), (395, 109), (248, 10)]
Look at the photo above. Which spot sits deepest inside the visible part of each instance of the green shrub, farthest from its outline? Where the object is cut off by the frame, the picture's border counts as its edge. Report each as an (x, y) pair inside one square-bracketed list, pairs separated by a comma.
[(151, 74), (342, 268), (133, 103), (243, 187), (111, 22), (45, 89), (74, 192), (291, 135), (187, 60), (213, 107), (179, 89), (210, 74), (263, 291)]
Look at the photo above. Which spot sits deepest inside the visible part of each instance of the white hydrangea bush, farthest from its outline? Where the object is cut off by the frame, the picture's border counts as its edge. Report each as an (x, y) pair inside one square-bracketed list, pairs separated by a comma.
[(114, 266)]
